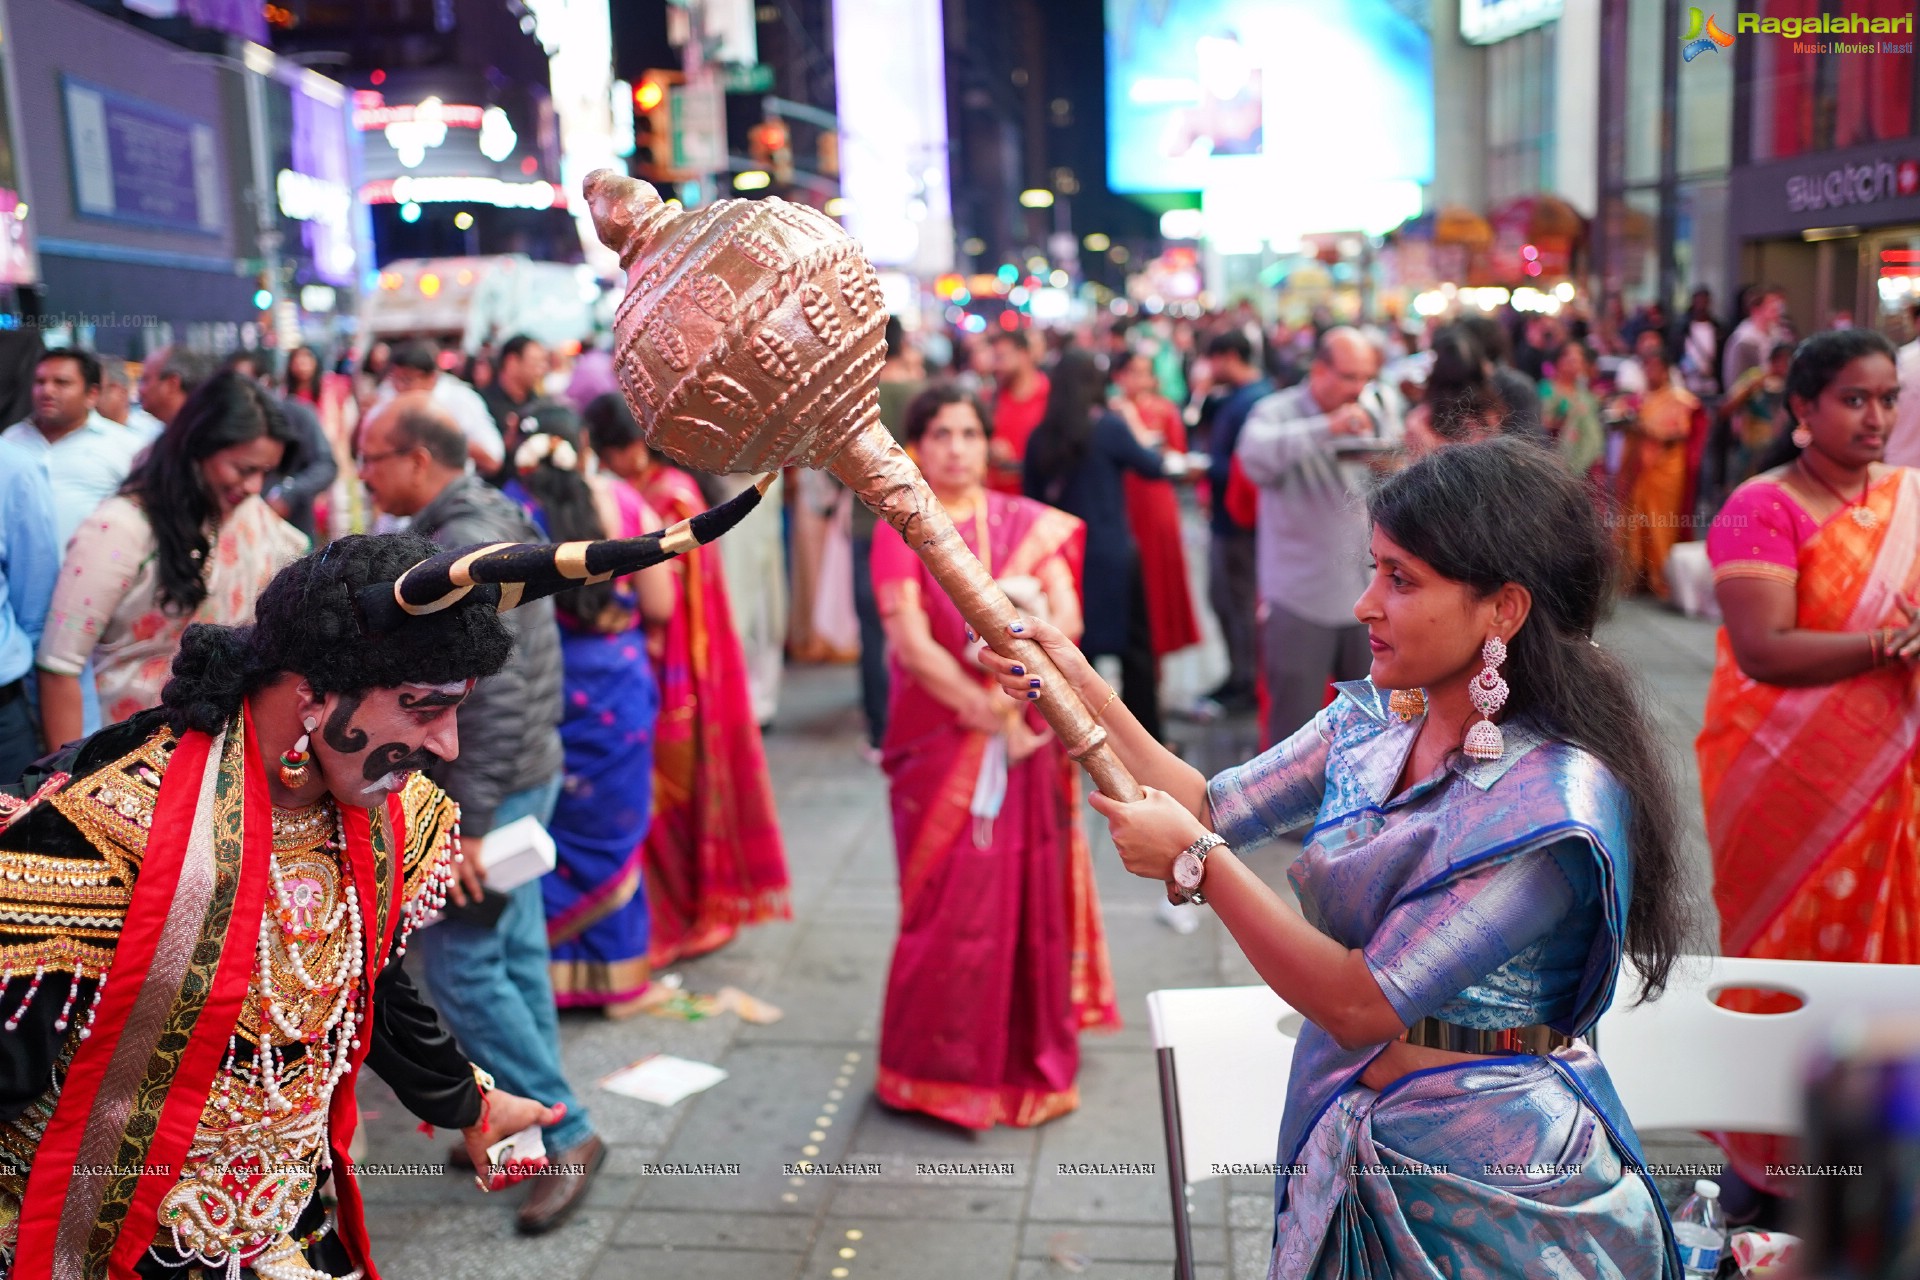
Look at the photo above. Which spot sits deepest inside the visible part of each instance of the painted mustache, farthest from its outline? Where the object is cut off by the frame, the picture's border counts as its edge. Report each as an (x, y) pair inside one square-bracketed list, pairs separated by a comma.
[(396, 760)]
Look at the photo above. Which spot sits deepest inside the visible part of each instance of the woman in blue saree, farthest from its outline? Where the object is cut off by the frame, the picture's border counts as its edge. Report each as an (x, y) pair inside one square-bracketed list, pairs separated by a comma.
[(1464, 910), (597, 924)]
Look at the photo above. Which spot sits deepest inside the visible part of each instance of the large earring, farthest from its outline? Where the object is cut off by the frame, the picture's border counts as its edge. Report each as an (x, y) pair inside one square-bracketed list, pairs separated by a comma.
[(1408, 704), (1802, 437), (296, 765), (1489, 693)]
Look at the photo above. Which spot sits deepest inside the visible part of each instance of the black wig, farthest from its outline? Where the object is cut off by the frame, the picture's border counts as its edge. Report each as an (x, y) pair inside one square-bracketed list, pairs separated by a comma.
[(1504, 510), (306, 622)]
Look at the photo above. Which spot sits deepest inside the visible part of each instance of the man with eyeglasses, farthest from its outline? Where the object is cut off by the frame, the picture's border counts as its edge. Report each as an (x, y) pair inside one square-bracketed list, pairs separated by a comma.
[(1309, 449)]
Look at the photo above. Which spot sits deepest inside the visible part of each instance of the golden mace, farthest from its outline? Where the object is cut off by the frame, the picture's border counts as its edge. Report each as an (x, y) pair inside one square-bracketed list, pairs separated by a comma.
[(751, 338)]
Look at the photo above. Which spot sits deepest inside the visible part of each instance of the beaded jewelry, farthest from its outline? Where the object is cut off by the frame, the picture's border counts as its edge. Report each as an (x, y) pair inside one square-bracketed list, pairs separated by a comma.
[(296, 764), (1489, 693)]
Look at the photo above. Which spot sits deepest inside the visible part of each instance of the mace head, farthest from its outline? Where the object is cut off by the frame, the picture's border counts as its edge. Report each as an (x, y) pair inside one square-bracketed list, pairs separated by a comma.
[(752, 332)]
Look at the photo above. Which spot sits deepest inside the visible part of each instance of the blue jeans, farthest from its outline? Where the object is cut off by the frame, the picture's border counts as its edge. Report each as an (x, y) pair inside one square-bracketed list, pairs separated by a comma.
[(492, 989)]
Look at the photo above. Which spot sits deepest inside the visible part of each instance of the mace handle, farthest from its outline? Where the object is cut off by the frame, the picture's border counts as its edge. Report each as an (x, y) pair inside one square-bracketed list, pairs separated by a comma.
[(881, 475)]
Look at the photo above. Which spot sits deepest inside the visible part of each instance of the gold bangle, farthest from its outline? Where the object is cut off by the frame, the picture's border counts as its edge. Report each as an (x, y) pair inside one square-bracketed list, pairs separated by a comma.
[(1112, 693)]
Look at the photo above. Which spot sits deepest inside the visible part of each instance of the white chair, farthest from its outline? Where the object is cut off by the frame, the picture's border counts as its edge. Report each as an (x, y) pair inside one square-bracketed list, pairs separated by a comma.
[(1690, 578), (1683, 1062), (1224, 1055)]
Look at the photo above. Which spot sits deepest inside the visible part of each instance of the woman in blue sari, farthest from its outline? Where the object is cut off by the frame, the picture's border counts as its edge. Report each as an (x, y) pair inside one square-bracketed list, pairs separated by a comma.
[(596, 906), (1476, 867)]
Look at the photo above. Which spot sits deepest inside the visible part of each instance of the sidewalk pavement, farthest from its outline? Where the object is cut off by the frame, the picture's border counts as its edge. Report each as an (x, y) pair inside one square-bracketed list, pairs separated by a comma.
[(801, 1088)]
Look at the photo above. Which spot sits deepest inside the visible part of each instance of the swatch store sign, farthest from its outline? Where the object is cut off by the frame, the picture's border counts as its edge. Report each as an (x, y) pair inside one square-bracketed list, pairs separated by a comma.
[(1869, 183), (437, 151)]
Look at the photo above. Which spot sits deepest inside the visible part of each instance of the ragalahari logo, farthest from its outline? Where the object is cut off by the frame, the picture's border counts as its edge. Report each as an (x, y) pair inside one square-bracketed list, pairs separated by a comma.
[(1703, 36)]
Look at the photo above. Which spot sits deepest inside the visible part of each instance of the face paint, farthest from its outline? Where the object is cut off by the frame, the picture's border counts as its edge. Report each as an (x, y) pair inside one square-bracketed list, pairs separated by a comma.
[(396, 717)]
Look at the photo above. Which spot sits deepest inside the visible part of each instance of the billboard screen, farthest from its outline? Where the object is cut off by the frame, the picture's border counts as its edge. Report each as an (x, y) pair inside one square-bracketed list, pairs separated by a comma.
[(1206, 92)]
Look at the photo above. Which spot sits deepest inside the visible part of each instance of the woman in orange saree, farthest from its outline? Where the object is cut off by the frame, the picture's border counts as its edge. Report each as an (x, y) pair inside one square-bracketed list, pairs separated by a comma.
[(714, 859), (1001, 959), (1656, 487), (1807, 755)]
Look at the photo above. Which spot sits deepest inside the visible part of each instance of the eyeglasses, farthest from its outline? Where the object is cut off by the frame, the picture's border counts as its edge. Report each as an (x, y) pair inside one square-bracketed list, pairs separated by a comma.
[(368, 459)]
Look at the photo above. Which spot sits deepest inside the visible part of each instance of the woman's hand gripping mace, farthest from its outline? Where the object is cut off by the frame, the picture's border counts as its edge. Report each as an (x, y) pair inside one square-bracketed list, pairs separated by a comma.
[(881, 475)]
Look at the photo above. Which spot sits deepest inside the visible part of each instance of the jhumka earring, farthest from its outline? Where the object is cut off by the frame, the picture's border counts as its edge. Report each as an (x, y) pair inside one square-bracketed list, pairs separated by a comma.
[(1489, 694), (1408, 704), (1802, 437), (296, 764)]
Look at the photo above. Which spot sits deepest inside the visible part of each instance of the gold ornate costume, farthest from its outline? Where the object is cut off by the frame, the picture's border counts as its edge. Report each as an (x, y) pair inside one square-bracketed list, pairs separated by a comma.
[(261, 1144)]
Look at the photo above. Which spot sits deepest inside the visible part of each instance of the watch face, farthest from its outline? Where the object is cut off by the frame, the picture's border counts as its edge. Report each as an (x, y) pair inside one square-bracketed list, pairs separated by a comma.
[(1187, 870)]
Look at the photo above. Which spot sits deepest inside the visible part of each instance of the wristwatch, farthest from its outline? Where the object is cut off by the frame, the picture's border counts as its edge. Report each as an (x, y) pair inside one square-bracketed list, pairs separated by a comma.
[(1190, 868)]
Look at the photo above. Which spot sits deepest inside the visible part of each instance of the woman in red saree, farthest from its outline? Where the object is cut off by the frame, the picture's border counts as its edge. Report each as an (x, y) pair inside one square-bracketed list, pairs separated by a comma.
[(1001, 959), (1807, 757), (714, 859), (1153, 509)]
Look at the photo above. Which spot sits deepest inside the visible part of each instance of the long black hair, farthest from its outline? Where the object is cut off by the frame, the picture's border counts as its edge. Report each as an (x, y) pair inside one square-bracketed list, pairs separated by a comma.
[(1816, 363), (1504, 510), (227, 410), (1065, 433), (555, 478), (307, 622)]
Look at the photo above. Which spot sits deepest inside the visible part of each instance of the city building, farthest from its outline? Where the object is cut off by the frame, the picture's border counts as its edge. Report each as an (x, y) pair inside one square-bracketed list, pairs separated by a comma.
[(1824, 182)]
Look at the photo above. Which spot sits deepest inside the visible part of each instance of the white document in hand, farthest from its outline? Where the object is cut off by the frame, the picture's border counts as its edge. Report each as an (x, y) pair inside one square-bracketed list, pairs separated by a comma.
[(515, 853)]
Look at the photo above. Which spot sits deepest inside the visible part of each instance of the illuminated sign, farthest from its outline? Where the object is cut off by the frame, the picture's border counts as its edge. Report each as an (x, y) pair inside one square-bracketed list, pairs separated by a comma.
[(1198, 89), (306, 198), (370, 112), (459, 190), (891, 88), (1490, 21)]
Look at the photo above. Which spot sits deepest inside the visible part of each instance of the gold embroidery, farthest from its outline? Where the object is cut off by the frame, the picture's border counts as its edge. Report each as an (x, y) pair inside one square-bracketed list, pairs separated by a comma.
[(262, 1137), (61, 913)]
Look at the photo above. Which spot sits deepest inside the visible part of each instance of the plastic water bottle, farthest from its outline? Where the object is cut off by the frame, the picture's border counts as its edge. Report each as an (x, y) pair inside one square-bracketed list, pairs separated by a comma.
[(1701, 1230)]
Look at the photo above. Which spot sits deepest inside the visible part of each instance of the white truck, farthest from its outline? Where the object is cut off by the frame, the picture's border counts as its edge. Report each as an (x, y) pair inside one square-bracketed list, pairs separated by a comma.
[(471, 302)]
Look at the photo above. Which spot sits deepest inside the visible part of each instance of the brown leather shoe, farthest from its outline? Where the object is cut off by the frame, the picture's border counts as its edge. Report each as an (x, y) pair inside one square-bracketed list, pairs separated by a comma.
[(559, 1191)]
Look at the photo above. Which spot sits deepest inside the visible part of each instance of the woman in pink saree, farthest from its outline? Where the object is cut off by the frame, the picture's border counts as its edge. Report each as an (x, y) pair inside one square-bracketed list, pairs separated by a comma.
[(1808, 764), (714, 858), (1001, 959)]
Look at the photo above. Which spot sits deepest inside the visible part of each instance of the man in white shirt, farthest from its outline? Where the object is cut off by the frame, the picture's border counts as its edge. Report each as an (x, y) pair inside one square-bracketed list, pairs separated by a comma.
[(1903, 445), (86, 457), (415, 366), (1751, 341)]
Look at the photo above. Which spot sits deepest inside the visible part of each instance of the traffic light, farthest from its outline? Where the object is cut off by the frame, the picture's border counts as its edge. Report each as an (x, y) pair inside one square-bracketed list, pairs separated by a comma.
[(771, 144), (653, 149)]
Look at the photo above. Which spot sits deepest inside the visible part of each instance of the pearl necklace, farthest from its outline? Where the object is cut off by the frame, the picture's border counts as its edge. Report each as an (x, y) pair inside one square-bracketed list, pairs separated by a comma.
[(338, 1035)]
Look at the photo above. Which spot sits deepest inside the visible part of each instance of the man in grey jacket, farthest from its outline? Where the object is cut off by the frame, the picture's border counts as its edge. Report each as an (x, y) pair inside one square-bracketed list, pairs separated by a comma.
[(1311, 450), (486, 963)]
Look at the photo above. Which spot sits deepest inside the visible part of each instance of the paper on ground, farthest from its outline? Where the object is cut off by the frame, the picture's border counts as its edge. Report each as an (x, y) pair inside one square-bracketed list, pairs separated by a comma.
[(664, 1079)]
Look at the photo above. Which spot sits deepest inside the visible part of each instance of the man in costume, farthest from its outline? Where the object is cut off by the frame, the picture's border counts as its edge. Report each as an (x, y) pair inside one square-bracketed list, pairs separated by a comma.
[(203, 909)]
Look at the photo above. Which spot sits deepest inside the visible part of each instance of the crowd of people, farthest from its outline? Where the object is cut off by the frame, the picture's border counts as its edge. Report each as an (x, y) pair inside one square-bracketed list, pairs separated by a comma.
[(621, 722), (1410, 540)]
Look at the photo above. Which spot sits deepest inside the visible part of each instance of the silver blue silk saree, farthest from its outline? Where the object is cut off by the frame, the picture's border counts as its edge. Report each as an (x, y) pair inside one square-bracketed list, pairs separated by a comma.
[(1492, 895)]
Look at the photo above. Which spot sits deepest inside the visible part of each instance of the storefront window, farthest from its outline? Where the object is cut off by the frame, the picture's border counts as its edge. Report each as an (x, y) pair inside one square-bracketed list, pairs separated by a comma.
[(1807, 102), (1705, 139), (1520, 108), (1646, 45), (1639, 247), (1700, 239)]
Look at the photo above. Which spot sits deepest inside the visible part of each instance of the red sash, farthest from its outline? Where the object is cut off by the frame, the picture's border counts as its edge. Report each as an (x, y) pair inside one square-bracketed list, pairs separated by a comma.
[(136, 1089)]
